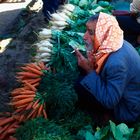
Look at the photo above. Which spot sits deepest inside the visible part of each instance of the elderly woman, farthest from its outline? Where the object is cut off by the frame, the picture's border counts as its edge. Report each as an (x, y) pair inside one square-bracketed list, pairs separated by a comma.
[(111, 82)]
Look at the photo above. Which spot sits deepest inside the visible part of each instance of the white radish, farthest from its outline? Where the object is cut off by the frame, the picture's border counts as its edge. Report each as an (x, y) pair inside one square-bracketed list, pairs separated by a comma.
[(69, 7), (44, 50), (43, 55), (63, 15), (57, 17), (59, 23), (57, 27), (45, 33)]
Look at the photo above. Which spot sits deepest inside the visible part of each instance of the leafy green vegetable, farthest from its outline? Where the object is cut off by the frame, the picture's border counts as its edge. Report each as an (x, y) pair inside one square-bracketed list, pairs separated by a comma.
[(41, 129), (76, 45), (59, 93), (104, 3), (83, 3)]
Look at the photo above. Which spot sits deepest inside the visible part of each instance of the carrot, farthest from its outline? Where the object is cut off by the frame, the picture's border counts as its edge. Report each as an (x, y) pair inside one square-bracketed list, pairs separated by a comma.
[(22, 102), (44, 113), (30, 86), (23, 96), (36, 106), (28, 75), (21, 106), (36, 84), (33, 65), (18, 110), (12, 138), (24, 68), (34, 70), (40, 110), (35, 103), (41, 65), (11, 130), (29, 116), (29, 106), (16, 117), (3, 135), (34, 115), (6, 120), (19, 77), (28, 92), (22, 118), (35, 80), (4, 128)]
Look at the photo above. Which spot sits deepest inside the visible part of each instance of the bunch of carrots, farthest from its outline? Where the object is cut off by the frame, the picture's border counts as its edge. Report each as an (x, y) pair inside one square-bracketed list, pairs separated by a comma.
[(24, 100), (8, 126)]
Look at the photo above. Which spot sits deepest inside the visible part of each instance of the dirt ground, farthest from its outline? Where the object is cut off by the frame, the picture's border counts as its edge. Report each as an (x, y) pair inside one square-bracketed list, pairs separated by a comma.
[(18, 52)]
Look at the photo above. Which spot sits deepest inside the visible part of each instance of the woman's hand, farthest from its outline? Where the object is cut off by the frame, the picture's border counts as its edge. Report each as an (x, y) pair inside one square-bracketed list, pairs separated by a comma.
[(83, 62)]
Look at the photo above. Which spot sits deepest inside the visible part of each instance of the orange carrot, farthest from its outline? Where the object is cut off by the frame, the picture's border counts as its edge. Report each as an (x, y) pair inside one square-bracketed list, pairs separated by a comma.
[(40, 110), (11, 130), (6, 120), (24, 68), (30, 86), (28, 92), (44, 113), (4, 128), (33, 65), (34, 70), (22, 118), (35, 80), (29, 106), (36, 106), (35, 103), (28, 75), (23, 96), (12, 138), (36, 84), (20, 106), (41, 65), (18, 110), (34, 115), (22, 102), (29, 116)]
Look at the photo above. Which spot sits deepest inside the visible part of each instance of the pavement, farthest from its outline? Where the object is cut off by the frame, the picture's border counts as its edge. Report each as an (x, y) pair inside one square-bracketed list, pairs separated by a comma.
[(8, 14)]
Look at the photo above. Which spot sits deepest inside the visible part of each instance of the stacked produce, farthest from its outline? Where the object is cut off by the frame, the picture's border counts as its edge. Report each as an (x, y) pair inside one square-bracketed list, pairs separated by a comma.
[(47, 86), (25, 101)]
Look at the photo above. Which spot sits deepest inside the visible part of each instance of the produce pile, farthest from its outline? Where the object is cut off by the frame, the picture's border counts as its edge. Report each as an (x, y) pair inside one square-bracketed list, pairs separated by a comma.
[(45, 103)]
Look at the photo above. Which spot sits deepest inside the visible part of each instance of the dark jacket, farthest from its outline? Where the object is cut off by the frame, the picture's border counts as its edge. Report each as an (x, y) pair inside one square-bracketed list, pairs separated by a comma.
[(118, 85)]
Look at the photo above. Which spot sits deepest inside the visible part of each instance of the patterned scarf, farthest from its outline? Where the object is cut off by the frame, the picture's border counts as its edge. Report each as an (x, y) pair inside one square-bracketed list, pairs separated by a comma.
[(108, 38)]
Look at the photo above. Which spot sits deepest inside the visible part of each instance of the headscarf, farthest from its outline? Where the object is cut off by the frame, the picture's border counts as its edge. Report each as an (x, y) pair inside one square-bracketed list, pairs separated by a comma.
[(108, 38)]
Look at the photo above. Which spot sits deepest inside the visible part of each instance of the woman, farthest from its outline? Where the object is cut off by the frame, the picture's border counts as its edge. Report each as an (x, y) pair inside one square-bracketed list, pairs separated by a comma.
[(111, 82)]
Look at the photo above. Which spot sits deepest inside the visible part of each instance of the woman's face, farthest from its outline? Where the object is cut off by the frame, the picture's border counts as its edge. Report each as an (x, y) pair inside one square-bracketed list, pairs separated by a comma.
[(89, 34)]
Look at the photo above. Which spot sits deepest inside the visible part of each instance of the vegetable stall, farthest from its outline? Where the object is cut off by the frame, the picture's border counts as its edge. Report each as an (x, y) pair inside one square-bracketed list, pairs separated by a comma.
[(45, 103)]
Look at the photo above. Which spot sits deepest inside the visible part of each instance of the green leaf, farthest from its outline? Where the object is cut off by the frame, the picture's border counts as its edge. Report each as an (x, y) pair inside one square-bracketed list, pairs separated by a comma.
[(102, 133), (89, 136), (116, 132), (125, 130)]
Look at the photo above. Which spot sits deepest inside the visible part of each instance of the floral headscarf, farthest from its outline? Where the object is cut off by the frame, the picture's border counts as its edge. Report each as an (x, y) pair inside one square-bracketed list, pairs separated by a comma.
[(109, 38)]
